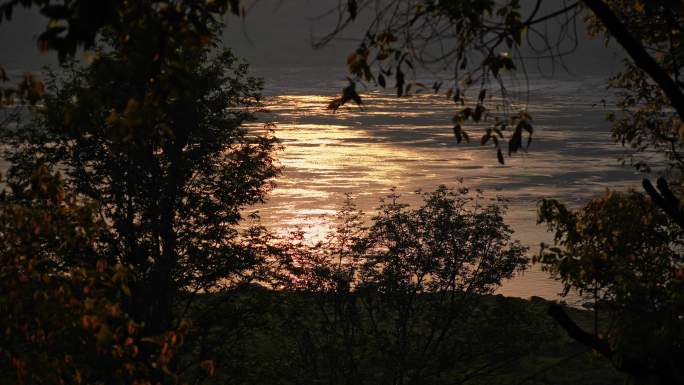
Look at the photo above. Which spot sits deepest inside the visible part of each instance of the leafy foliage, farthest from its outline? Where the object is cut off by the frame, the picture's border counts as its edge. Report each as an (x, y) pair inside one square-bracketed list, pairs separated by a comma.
[(171, 174), (151, 130), (147, 33), (77, 23), (63, 307), (646, 121), (621, 248), (627, 254), (397, 301), (477, 41)]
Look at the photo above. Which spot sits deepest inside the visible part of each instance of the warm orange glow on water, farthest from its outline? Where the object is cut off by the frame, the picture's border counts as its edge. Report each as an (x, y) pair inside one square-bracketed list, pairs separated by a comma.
[(408, 144), (334, 153)]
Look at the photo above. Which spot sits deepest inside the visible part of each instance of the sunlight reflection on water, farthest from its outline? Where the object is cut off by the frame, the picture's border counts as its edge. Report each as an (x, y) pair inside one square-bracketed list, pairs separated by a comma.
[(407, 143)]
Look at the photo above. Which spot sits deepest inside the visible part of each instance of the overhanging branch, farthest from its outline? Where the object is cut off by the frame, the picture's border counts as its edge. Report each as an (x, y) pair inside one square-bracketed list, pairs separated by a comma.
[(575, 332), (638, 53)]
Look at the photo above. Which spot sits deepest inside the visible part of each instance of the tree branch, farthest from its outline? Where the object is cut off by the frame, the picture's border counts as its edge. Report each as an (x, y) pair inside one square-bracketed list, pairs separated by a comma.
[(575, 332), (666, 200), (638, 53), (530, 22)]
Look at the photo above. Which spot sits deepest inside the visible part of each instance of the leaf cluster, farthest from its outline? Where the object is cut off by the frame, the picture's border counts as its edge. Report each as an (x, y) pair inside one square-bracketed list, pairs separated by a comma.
[(478, 42), (64, 318), (628, 255), (396, 298), (73, 24)]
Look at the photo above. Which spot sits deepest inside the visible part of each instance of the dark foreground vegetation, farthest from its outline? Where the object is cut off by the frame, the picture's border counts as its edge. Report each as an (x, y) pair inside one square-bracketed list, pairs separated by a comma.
[(298, 337), (124, 258)]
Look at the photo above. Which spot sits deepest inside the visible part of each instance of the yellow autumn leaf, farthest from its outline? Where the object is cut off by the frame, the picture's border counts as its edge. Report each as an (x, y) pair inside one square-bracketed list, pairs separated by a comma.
[(126, 290)]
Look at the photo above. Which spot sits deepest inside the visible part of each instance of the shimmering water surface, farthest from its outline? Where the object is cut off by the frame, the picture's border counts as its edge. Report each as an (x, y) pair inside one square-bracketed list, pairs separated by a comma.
[(408, 143)]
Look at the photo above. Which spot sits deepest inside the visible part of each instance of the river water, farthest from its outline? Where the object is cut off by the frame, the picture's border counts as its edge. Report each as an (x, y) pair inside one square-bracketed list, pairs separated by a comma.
[(408, 144)]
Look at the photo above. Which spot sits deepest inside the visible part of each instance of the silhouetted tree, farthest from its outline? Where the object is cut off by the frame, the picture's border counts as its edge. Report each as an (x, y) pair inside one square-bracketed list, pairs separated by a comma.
[(401, 301), (151, 130), (74, 24), (171, 178), (63, 305), (485, 37), (152, 29), (626, 253)]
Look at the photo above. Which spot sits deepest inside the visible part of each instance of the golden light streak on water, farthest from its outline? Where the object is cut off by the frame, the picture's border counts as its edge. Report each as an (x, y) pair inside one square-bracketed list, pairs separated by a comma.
[(408, 144)]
